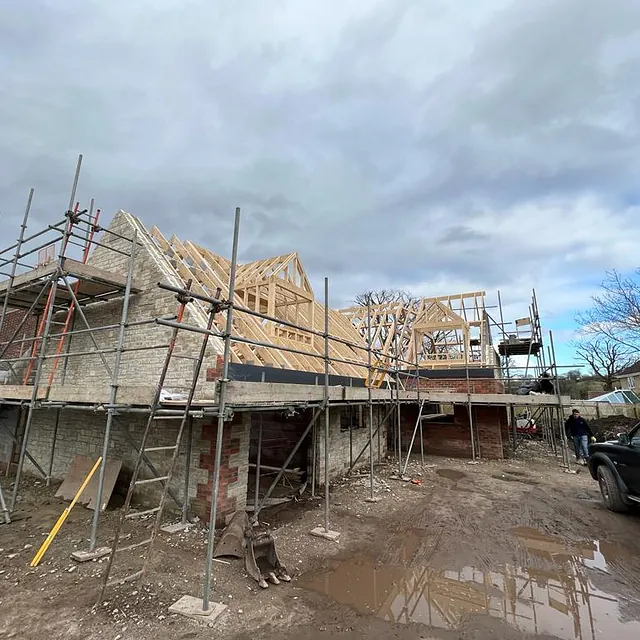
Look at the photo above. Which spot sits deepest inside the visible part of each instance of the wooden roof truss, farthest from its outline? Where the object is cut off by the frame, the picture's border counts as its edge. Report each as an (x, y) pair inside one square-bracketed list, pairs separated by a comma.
[(445, 332), (277, 287)]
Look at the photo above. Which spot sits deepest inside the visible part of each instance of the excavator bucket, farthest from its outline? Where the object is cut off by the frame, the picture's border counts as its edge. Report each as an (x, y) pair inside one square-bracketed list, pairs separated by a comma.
[(261, 559), (232, 540), (258, 548)]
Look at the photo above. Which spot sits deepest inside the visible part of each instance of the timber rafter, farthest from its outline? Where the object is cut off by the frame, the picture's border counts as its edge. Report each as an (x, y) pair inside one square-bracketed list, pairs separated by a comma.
[(442, 332), (278, 287)]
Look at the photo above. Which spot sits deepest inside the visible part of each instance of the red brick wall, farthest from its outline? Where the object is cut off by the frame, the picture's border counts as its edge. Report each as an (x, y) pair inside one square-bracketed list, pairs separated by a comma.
[(11, 322), (453, 438), (458, 385), (232, 492), (215, 373)]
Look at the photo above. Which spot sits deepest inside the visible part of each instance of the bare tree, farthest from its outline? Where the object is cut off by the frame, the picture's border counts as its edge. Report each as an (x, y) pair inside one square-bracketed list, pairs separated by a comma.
[(606, 357), (382, 296), (616, 311)]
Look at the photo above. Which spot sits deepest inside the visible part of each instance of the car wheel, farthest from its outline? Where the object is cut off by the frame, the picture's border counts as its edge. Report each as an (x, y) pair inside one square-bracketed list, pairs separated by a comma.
[(610, 490)]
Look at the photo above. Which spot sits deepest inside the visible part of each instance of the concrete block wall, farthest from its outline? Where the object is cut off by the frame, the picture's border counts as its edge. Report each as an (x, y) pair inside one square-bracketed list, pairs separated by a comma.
[(343, 448), (595, 410), (82, 432), (137, 367), (234, 470)]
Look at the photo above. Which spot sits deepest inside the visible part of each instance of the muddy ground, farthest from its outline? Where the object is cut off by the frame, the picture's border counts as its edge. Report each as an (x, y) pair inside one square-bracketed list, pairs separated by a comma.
[(497, 550)]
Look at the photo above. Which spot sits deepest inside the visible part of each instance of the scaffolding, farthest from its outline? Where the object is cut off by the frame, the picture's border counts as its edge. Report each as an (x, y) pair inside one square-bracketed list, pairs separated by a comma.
[(53, 291), (56, 293), (527, 341)]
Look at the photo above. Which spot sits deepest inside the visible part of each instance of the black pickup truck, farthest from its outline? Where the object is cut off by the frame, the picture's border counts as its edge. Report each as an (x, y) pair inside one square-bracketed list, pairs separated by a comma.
[(616, 467)]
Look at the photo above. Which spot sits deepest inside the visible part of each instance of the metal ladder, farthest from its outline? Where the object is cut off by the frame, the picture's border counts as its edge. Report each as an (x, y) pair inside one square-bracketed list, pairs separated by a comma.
[(126, 512)]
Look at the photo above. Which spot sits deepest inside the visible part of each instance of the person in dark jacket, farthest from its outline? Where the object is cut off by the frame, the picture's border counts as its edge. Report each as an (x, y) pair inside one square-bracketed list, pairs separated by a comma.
[(578, 430), (546, 386)]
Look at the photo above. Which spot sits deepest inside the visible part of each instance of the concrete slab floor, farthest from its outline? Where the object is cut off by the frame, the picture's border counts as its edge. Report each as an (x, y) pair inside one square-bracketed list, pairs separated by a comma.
[(175, 528), (87, 556), (320, 532), (191, 607)]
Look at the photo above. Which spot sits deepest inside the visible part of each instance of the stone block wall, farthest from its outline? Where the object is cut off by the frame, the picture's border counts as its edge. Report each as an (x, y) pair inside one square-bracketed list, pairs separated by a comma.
[(597, 410), (140, 367), (82, 432), (344, 447)]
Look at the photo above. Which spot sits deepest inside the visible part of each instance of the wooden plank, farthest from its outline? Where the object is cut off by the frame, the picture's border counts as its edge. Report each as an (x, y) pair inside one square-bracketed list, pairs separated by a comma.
[(265, 393), (140, 395), (20, 392), (292, 288), (248, 327), (426, 316), (88, 272), (280, 286), (194, 272), (78, 471), (31, 276)]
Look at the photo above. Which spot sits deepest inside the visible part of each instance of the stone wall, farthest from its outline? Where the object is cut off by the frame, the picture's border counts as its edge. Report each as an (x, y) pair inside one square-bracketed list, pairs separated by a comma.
[(139, 368), (595, 410), (345, 444), (82, 432)]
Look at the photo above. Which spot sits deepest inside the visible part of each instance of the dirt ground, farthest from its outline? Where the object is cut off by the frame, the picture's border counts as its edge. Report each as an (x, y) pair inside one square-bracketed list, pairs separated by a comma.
[(497, 550)]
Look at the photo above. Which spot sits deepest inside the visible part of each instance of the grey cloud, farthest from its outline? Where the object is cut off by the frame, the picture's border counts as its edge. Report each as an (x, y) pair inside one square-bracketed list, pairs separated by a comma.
[(459, 234), (367, 137)]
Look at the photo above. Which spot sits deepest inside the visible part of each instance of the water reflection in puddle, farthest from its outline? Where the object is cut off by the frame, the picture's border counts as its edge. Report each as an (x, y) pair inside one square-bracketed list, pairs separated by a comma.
[(560, 601)]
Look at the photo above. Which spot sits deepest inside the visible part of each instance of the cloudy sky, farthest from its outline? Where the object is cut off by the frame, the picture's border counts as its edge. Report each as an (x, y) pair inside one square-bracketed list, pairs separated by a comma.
[(431, 145)]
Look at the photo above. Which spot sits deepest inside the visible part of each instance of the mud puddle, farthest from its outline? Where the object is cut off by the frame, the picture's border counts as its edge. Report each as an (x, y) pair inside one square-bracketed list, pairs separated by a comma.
[(559, 600)]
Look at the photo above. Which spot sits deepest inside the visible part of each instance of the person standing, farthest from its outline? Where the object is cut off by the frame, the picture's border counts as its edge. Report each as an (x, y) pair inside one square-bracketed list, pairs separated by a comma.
[(578, 430)]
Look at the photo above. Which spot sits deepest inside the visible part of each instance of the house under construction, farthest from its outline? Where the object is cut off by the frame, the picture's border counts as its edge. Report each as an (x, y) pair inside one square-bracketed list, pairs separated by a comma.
[(84, 366)]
